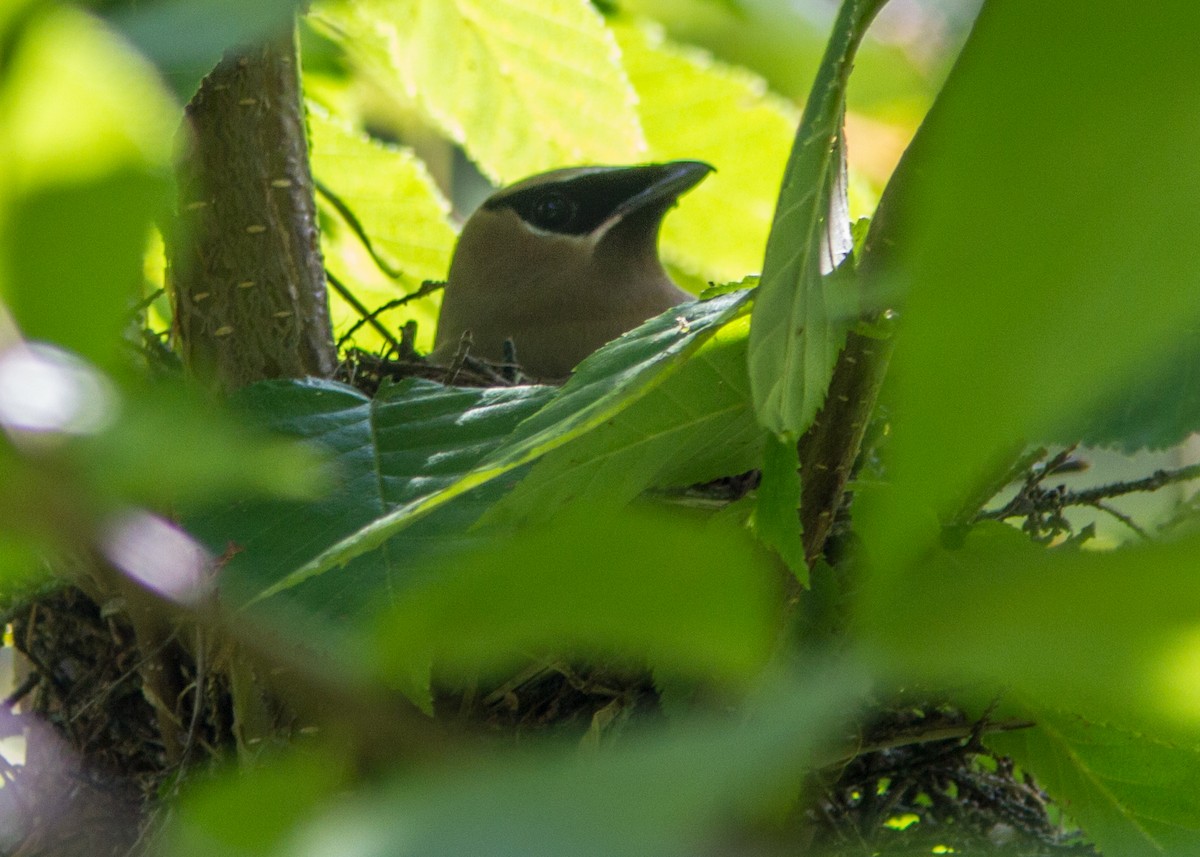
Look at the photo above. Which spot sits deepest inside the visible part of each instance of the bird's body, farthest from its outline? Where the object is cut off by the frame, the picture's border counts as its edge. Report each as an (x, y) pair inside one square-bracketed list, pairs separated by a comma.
[(562, 263)]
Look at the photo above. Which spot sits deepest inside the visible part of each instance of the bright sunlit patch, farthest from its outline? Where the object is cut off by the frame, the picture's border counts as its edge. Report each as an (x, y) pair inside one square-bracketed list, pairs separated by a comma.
[(902, 822), (1178, 678), (160, 556), (44, 389)]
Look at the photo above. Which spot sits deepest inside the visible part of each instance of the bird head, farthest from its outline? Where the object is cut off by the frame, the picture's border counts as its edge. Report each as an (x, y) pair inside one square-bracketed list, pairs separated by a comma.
[(563, 262)]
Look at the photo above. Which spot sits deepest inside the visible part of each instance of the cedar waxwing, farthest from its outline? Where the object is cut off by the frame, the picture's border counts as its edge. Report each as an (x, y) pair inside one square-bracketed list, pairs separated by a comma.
[(561, 263)]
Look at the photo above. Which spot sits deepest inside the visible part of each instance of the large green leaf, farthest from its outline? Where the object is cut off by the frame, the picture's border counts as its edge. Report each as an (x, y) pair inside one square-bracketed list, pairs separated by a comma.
[(1038, 218), (522, 85), (605, 384), (396, 204), (732, 122), (798, 328), (695, 426), (1132, 793), (410, 441)]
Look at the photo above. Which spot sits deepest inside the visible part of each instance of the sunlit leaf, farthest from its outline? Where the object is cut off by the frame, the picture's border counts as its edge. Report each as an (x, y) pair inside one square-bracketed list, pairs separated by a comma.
[(694, 107), (522, 85), (394, 201)]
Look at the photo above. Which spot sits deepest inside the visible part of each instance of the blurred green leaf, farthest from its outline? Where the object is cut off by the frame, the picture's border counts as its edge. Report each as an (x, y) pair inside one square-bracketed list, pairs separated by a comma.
[(255, 809), (1041, 271), (1002, 609), (1158, 408), (603, 385), (186, 38), (730, 120), (523, 85), (797, 332), (695, 426), (73, 257), (391, 195), (168, 448), (1132, 793), (83, 172), (660, 793), (686, 595)]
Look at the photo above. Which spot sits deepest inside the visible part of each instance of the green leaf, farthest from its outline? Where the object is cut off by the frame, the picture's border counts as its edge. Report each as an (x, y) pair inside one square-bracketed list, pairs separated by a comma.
[(603, 385), (729, 112), (661, 792), (1041, 277), (522, 85), (776, 510), (83, 172), (685, 595), (1157, 409), (255, 810), (411, 441), (186, 38), (795, 335), (697, 425), (1132, 793), (394, 200), (1002, 609)]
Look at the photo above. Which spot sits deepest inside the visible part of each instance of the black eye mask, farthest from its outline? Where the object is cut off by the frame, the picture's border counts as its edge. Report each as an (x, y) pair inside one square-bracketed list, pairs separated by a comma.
[(578, 205)]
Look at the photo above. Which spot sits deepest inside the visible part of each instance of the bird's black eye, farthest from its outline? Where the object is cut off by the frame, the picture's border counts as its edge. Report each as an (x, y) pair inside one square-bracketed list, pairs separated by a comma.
[(552, 211)]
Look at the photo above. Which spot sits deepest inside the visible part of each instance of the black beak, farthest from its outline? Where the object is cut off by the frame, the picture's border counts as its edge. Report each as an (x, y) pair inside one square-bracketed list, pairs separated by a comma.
[(660, 185)]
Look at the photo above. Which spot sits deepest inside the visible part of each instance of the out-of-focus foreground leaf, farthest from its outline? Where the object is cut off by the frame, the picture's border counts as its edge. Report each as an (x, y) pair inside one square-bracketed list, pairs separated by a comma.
[(1037, 219), (84, 161), (1002, 609), (677, 592), (658, 792)]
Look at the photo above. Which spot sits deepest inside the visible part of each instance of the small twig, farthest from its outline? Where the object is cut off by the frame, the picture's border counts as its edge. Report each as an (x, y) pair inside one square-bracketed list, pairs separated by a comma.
[(1032, 499), (366, 314), (1122, 517), (356, 227), (427, 288), (964, 731)]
